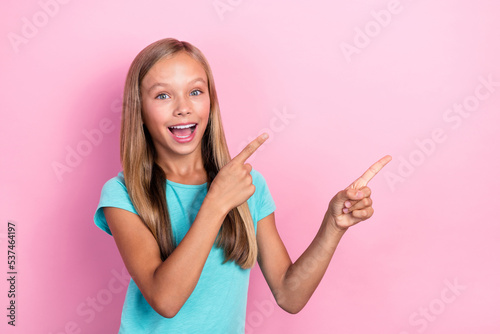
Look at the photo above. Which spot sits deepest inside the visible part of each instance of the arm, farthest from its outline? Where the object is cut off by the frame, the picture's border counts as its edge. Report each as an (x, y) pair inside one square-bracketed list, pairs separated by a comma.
[(292, 284), (167, 285)]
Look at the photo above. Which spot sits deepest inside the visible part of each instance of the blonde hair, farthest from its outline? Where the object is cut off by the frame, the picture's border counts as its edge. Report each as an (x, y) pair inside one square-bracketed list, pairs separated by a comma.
[(145, 179)]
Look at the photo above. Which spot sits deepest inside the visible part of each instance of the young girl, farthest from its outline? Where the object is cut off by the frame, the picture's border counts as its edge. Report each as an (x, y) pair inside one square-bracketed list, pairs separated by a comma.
[(188, 220)]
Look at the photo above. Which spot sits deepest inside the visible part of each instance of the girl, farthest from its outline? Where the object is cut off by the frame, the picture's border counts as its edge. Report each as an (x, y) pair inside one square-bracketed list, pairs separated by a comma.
[(188, 221)]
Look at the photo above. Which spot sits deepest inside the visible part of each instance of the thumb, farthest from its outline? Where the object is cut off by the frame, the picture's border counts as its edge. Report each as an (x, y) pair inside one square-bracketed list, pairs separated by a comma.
[(337, 204)]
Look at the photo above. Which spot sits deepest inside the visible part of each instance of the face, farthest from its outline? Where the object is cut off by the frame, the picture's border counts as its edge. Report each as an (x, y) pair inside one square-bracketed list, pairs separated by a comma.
[(176, 105)]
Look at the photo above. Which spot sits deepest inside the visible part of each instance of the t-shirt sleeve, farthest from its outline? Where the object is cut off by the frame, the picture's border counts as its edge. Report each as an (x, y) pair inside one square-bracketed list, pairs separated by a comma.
[(114, 194), (263, 201)]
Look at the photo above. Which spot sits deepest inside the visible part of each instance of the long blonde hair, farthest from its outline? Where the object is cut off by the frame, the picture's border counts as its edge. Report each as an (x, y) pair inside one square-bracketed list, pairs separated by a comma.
[(145, 179)]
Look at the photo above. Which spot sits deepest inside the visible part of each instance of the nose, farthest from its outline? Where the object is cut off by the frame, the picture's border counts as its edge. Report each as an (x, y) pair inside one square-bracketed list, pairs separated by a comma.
[(182, 107)]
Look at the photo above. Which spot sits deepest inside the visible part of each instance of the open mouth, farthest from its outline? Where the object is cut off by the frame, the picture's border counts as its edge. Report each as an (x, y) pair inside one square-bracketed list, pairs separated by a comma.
[(183, 131)]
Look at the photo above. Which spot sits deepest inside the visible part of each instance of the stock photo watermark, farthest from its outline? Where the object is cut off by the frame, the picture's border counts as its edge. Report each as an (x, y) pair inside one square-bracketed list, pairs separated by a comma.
[(31, 26), (363, 36), (421, 319), (88, 310), (12, 272), (91, 139), (280, 120), (264, 309), (454, 116), (224, 6)]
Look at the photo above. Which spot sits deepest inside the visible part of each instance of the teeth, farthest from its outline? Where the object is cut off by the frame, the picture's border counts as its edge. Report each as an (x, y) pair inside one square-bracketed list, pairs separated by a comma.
[(182, 126)]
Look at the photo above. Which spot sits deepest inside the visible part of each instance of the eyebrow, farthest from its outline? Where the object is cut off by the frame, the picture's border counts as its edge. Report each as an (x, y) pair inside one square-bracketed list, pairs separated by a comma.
[(164, 84)]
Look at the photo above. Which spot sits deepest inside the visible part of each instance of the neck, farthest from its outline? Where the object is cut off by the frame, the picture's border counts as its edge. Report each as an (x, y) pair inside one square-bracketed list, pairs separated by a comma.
[(186, 169)]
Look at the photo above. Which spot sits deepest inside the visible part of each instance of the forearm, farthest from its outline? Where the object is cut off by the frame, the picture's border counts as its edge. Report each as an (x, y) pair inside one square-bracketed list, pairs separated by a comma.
[(176, 278), (303, 276)]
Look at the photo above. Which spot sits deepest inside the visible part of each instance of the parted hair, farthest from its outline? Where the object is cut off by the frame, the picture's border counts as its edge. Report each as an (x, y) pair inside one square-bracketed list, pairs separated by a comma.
[(145, 179)]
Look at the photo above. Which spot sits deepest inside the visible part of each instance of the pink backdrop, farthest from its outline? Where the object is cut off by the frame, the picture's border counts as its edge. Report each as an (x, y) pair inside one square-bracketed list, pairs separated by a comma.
[(336, 84)]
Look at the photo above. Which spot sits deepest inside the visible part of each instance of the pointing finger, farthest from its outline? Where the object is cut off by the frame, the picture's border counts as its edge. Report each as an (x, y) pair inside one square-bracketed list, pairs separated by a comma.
[(371, 172), (251, 148)]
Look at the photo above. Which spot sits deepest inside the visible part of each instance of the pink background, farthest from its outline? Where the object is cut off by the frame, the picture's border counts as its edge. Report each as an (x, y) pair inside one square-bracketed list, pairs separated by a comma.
[(427, 262)]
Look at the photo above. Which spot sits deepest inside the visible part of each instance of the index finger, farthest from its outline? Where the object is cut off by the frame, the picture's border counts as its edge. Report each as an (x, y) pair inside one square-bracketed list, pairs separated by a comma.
[(251, 148), (371, 172)]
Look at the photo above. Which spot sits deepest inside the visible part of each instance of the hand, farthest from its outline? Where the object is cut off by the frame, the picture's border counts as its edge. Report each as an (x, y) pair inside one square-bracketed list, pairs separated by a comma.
[(353, 204), (233, 184)]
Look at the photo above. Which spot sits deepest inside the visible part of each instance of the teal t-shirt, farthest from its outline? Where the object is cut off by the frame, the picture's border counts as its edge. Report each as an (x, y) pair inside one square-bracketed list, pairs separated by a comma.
[(218, 302)]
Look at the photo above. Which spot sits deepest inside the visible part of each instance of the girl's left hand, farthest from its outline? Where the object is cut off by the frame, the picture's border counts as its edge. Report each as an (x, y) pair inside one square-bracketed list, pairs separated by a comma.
[(353, 204)]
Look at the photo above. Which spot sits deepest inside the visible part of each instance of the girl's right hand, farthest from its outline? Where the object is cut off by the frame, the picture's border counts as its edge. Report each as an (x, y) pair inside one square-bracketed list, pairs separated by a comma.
[(233, 184)]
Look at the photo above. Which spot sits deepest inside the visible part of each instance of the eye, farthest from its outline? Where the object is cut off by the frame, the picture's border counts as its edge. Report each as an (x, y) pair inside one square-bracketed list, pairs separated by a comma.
[(196, 92), (162, 96)]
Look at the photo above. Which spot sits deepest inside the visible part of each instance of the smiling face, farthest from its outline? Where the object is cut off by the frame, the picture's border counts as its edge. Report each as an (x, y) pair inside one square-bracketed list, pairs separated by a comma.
[(176, 105)]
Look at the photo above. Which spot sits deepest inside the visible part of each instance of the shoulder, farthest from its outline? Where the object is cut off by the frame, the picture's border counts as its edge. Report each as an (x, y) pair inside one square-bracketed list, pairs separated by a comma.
[(115, 184), (261, 188), (257, 177), (261, 203), (114, 193), (259, 182), (115, 190)]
